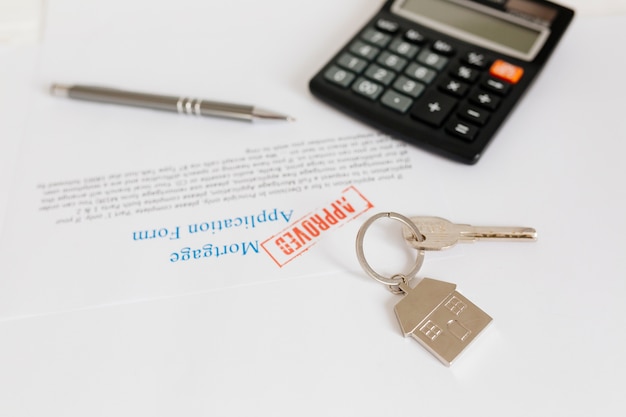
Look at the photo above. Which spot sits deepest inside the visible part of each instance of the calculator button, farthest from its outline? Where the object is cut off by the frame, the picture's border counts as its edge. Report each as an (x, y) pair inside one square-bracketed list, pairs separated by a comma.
[(433, 108), (396, 101), (454, 87), (367, 88), (403, 48), (486, 100), (442, 47), (364, 50), (387, 25), (432, 59), (465, 73), (421, 73), (392, 61), (476, 59), (414, 36), (352, 63), (339, 76), (496, 86), (376, 37), (408, 86), (474, 114), (462, 130), (506, 71), (380, 74)]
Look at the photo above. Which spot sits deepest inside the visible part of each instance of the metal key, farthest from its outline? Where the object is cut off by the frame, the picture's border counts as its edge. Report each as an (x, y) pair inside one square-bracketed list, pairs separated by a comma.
[(440, 233)]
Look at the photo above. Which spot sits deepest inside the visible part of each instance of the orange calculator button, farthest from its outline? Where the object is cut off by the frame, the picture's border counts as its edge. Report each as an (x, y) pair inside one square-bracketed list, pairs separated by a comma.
[(506, 71)]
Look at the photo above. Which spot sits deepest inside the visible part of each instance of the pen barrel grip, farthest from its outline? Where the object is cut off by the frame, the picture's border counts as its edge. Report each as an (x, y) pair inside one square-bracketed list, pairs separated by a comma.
[(217, 109), (182, 105)]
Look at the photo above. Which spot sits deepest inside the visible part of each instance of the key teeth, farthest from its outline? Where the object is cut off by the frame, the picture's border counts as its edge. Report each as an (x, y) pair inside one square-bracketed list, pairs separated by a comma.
[(532, 234), (442, 234)]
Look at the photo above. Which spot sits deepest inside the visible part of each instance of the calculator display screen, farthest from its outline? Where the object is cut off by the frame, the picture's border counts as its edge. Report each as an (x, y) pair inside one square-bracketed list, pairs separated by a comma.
[(478, 24)]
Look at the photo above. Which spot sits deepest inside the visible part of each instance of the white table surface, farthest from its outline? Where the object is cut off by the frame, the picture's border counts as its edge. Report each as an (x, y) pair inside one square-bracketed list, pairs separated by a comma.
[(325, 346)]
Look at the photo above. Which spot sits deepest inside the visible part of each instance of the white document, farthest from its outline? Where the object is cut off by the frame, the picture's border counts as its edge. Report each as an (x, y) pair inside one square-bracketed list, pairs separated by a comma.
[(20, 21), (115, 204), (16, 71)]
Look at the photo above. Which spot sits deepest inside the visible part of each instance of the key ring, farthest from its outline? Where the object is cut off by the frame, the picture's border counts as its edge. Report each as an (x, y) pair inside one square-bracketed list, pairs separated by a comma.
[(397, 279)]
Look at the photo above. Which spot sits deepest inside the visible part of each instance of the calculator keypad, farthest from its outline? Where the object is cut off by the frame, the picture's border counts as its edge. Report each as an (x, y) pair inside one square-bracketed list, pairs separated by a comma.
[(422, 75), (397, 69)]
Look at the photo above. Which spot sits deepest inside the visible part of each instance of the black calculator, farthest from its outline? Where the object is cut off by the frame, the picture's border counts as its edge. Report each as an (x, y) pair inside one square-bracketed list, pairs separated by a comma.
[(443, 74)]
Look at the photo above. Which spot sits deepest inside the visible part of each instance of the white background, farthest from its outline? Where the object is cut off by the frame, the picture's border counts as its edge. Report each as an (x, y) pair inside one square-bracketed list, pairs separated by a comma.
[(330, 345)]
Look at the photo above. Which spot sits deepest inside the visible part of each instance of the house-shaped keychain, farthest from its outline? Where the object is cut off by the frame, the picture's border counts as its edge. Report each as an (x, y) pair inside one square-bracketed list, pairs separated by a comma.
[(440, 318)]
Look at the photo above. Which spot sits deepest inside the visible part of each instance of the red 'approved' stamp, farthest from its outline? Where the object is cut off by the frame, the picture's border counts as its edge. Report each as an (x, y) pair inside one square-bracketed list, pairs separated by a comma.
[(305, 232)]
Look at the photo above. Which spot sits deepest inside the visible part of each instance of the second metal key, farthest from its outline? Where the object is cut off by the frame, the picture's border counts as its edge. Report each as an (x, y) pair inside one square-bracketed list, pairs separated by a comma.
[(440, 233)]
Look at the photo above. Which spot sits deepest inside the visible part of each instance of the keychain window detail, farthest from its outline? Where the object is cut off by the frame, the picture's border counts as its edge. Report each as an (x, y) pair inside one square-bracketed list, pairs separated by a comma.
[(436, 304)]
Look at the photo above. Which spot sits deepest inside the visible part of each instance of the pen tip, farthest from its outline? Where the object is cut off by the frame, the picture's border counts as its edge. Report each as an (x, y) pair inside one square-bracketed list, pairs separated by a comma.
[(268, 114), (59, 90)]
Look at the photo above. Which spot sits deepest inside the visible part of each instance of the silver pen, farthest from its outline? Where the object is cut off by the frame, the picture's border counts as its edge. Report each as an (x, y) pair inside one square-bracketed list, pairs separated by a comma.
[(182, 105)]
